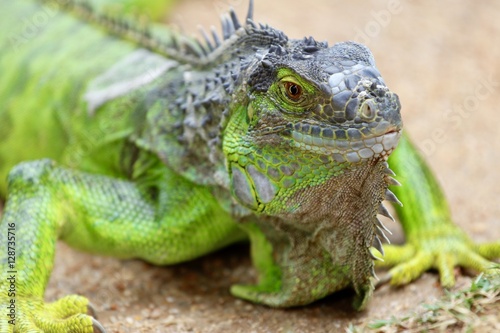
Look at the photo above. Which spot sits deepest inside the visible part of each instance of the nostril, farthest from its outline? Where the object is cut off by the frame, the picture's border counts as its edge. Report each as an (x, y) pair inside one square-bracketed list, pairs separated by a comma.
[(368, 110)]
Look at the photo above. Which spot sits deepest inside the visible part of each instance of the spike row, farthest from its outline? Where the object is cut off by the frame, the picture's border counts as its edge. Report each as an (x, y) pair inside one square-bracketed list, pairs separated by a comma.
[(390, 182), (144, 37), (230, 23), (389, 196), (374, 257), (381, 232), (234, 19), (382, 210), (250, 11), (378, 245), (206, 38)]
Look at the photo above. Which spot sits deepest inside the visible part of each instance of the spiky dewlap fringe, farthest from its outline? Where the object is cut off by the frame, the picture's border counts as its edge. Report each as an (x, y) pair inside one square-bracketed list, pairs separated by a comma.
[(380, 228)]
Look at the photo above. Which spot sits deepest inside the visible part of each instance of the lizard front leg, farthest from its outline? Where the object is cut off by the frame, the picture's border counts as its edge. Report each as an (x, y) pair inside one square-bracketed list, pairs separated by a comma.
[(285, 278), (294, 269), (433, 240), (170, 220)]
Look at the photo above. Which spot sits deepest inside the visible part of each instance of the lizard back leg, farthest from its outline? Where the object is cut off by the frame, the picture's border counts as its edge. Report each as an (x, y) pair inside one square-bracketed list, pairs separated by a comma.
[(433, 240)]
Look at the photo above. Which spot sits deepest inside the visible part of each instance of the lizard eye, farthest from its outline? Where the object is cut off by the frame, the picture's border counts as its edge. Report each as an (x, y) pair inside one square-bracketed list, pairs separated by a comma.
[(292, 90)]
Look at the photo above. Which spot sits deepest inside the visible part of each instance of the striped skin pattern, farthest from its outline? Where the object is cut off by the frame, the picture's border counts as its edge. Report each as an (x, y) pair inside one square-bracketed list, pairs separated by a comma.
[(122, 143)]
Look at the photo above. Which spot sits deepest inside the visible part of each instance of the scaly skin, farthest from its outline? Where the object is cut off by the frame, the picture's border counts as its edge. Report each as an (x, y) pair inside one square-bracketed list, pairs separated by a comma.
[(279, 141)]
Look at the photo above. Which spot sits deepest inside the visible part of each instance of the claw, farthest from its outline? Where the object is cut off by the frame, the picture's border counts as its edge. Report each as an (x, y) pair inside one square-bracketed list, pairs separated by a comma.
[(383, 280), (91, 310), (97, 326)]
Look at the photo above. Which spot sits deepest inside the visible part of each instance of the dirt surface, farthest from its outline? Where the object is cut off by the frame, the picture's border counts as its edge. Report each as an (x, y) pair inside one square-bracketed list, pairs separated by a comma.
[(442, 60)]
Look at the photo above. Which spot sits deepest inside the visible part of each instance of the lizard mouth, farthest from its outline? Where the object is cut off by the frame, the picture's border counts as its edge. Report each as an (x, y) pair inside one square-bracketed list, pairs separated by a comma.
[(348, 150)]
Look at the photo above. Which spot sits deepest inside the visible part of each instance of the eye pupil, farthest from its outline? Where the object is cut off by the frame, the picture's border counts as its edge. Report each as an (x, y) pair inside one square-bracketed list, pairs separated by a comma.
[(293, 90)]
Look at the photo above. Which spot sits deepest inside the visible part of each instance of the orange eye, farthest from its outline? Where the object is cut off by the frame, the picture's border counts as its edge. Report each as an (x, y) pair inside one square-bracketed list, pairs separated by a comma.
[(293, 90)]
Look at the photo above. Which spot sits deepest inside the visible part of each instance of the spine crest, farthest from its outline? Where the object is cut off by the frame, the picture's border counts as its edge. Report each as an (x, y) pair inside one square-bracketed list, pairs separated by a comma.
[(204, 53)]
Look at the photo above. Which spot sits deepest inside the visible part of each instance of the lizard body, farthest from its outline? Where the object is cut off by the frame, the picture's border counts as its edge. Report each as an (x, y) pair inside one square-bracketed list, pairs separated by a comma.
[(168, 150)]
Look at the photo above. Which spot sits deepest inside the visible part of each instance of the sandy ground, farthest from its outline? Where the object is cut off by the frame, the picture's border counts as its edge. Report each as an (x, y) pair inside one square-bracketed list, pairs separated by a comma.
[(442, 60)]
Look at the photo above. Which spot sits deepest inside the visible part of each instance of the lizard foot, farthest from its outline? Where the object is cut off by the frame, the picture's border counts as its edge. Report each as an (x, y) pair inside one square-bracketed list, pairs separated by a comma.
[(258, 294), (442, 249), (31, 314)]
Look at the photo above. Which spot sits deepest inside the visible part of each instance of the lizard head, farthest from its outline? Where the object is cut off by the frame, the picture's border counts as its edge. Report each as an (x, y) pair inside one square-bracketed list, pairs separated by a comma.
[(310, 108), (329, 101)]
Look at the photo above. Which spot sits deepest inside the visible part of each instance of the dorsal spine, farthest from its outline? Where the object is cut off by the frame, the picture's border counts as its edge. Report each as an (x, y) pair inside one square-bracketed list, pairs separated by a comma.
[(185, 50)]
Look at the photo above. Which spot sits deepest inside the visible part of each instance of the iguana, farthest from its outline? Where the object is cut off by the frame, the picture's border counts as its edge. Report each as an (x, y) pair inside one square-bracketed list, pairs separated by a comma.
[(138, 143)]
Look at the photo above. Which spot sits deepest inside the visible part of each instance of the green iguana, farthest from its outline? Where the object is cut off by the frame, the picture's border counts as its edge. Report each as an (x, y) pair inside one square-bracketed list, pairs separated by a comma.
[(123, 143)]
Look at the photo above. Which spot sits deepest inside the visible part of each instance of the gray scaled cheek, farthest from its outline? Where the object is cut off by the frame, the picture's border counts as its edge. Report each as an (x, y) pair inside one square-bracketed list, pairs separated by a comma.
[(241, 187), (251, 186), (265, 189)]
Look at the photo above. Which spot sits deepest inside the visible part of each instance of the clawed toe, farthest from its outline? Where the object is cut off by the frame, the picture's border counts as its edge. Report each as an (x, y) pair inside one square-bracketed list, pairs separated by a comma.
[(98, 328), (91, 310), (385, 279)]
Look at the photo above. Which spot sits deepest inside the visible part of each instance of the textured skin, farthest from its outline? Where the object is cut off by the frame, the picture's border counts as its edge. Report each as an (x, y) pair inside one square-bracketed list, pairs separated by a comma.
[(204, 151)]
